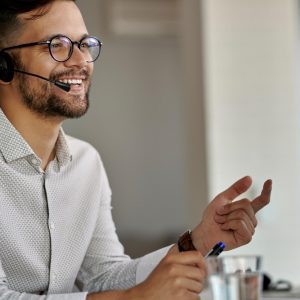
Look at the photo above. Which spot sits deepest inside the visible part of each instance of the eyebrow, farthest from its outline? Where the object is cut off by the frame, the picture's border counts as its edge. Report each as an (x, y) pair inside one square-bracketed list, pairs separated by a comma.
[(49, 37)]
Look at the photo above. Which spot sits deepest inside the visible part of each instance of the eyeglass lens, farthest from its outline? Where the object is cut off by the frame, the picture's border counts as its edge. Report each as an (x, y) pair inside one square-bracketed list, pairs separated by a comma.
[(61, 48)]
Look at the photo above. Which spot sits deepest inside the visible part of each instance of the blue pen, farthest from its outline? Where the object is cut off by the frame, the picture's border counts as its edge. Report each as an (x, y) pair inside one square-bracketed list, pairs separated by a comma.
[(216, 250)]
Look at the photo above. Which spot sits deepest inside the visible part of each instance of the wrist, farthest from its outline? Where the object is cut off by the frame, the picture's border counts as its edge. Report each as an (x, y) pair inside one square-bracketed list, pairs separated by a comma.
[(199, 242), (173, 249), (110, 295), (135, 293)]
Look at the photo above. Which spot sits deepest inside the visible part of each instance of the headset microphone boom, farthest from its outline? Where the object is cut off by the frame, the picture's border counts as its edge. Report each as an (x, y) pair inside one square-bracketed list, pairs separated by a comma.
[(7, 71)]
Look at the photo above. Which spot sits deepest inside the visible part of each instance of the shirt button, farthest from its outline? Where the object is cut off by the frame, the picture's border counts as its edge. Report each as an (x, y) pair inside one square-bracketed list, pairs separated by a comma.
[(35, 161), (54, 276), (52, 226)]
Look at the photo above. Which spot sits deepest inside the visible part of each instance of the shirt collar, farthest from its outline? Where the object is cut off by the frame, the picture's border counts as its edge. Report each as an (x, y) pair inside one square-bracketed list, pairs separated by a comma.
[(14, 147), (63, 153)]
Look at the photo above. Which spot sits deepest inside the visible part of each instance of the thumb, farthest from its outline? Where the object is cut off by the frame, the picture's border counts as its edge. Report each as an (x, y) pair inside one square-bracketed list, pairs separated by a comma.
[(238, 188)]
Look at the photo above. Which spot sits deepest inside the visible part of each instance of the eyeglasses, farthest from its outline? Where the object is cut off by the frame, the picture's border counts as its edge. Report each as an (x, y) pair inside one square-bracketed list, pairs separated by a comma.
[(61, 47)]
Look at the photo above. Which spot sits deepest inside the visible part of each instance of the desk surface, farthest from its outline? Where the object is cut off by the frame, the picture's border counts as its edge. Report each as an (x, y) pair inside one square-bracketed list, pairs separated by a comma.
[(293, 294)]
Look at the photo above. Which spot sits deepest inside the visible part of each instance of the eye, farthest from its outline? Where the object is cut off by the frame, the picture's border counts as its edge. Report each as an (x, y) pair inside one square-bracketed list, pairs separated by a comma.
[(56, 45), (89, 43), (84, 45), (60, 43)]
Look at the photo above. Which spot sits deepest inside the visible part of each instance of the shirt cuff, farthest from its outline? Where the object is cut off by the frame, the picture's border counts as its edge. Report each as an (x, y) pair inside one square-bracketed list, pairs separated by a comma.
[(148, 262), (72, 296)]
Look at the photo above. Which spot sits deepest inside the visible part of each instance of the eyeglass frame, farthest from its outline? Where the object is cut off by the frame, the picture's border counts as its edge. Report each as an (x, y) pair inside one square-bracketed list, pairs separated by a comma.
[(48, 42)]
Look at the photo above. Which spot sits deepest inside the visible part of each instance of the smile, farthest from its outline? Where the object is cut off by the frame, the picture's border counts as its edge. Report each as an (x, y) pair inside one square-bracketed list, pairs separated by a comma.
[(72, 81)]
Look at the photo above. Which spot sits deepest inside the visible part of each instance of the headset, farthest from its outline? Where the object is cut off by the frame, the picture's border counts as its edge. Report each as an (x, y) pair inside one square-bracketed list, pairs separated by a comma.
[(7, 71), (6, 67)]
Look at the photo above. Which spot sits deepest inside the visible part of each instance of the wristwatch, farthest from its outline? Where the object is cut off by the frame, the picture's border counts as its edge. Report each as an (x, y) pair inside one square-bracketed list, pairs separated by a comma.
[(185, 242)]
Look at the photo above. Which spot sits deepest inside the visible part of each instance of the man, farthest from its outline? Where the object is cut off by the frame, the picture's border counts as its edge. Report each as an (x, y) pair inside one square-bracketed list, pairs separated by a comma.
[(56, 228)]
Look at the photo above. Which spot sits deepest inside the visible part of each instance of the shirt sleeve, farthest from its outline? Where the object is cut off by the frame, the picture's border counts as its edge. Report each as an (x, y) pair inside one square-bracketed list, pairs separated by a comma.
[(148, 262), (106, 266)]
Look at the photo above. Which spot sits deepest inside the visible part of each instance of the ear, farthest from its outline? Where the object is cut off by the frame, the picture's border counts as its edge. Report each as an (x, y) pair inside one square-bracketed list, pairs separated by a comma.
[(6, 67)]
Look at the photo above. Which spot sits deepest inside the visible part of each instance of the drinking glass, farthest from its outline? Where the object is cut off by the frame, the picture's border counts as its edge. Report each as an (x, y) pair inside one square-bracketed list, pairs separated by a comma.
[(235, 277)]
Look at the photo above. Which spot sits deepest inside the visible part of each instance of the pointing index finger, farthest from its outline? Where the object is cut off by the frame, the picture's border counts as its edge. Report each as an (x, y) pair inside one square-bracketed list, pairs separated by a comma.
[(239, 187)]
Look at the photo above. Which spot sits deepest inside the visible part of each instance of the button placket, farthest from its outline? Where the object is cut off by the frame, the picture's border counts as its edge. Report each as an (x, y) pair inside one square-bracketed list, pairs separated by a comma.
[(51, 226)]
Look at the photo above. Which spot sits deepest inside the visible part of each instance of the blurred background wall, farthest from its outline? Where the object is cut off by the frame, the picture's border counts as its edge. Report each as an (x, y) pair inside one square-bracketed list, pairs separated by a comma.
[(187, 97)]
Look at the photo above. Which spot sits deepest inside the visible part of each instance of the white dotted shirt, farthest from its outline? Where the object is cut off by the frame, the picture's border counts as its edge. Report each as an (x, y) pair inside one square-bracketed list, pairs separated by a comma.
[(56, 228)]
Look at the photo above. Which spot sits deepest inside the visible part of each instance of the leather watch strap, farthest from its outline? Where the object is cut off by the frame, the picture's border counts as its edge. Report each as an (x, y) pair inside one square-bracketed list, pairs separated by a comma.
[(185, 242)]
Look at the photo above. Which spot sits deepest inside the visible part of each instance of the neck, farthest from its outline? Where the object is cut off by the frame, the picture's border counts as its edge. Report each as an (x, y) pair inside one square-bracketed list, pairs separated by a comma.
[(39, 132)]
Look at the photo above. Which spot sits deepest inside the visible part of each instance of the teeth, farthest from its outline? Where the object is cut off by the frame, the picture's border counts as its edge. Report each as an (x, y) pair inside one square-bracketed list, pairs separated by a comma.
[(72, 81)]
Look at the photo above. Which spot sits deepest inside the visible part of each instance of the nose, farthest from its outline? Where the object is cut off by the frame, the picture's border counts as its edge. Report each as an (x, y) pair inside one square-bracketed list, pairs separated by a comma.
[(77, 59)]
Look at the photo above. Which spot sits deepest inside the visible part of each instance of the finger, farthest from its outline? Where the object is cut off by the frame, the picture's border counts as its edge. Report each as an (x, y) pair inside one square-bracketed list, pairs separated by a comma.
[(187, 258), (233, 210), (240, 229), (190, 272), (240, 216), (264, 198), (239, 187), (237, 215), (191, 296), (188, 284)]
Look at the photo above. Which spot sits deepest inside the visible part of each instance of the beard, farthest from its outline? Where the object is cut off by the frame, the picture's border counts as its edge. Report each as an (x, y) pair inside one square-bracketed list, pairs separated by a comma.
[(43, 100)]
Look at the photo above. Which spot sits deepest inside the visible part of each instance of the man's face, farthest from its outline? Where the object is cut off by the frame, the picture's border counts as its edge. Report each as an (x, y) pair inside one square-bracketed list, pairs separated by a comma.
[(40, 96)]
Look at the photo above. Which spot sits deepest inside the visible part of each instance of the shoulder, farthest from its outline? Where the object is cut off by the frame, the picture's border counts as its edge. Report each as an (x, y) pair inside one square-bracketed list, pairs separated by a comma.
[(81, 149), (76, 144), (86, 158)]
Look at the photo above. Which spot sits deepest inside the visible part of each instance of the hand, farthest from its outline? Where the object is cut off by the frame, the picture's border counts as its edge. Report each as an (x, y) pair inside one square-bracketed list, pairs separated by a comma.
[(179, 276), (232, 222)]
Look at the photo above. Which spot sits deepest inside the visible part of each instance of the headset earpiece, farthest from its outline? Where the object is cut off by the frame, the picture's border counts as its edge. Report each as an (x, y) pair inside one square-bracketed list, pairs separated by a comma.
[(6, 67)]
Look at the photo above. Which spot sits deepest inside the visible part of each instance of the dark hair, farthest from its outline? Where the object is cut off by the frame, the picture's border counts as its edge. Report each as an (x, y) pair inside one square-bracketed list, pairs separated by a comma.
[(9, 11)]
